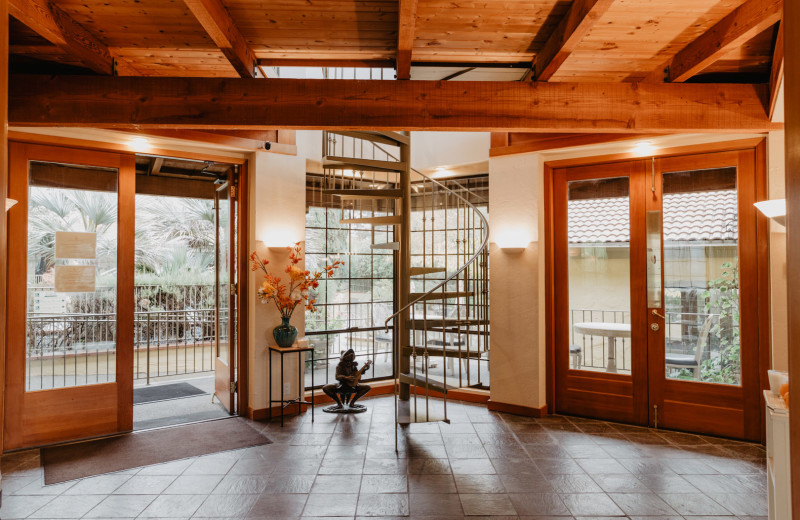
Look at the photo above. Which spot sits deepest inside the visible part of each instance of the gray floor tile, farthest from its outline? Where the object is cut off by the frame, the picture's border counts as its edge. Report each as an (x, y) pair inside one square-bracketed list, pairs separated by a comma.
[(173, 506), (487, 505), (382, 504)]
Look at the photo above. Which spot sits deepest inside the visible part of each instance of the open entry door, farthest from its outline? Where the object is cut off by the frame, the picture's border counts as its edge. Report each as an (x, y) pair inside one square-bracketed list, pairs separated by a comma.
[(225, 293), (70, 300)]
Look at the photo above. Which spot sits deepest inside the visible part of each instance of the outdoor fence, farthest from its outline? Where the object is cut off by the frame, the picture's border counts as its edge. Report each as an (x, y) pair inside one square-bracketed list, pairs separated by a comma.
[(78, 349), (681, 334)]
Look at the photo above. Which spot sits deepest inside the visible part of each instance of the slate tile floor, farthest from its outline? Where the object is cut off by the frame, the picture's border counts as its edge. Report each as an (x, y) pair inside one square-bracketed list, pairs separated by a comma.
[(484, 464)]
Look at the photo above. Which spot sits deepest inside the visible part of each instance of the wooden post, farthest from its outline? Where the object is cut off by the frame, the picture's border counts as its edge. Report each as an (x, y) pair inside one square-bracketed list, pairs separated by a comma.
[(404, 277), (3, 192), (792, 117)]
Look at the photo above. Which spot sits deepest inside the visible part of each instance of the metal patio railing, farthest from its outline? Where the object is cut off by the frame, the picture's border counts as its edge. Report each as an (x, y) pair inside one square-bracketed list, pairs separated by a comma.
[(681, 330), (78, 349)]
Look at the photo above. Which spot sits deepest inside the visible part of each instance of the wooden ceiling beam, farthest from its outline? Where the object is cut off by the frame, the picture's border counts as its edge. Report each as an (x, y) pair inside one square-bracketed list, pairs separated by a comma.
[(516, 142), (580, 18), (407, 22), (219, 25), (776, 72), (54, 25), (737, 28), (227, 103)]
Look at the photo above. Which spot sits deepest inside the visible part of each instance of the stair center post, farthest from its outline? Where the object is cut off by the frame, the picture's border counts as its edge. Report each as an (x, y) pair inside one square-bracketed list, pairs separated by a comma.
[(404, 276)]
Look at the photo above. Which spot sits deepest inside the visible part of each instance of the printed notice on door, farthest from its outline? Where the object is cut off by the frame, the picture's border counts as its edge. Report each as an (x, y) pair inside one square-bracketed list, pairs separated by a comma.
[(76, 245), (75, 278)]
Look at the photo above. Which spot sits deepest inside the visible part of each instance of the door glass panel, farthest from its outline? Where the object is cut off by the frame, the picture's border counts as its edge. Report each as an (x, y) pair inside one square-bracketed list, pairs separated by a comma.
[(71, 276), (223, 272), (598, 229), (701, 276), (653, 230)]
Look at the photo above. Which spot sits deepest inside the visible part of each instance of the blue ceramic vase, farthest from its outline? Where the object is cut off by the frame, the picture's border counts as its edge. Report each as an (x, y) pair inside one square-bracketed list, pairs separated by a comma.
[(284, 333)]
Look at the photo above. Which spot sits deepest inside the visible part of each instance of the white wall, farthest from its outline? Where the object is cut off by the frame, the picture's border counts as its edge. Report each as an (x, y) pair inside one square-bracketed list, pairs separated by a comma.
[(277, 217), (516, 291), (776, 188), (434, 149)]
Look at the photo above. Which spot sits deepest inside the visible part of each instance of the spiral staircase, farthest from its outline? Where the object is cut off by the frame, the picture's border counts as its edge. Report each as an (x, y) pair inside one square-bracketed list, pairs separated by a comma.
[(441, 299)]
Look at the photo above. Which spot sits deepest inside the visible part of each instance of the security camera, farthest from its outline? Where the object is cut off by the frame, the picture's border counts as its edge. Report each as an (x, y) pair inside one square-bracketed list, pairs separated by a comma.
[(267, 145)]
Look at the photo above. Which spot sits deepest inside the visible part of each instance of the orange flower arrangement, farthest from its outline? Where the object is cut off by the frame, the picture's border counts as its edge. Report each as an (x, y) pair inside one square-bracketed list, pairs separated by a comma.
[(287, 298)]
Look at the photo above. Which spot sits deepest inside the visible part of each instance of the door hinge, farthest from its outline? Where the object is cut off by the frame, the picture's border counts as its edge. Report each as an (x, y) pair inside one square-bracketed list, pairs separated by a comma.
[(234, 387), (655, 409), (233, 191), (234, 289)]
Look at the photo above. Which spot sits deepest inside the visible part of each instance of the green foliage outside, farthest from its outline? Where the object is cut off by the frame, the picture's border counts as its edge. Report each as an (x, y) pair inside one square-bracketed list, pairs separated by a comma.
[(722, 297), (174, 248)]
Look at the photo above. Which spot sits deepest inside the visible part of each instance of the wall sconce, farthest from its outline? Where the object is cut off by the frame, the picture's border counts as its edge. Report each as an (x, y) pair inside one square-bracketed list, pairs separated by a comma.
[(510, 248), (10, 203), (511, 241), (277, 240), (774, 209)]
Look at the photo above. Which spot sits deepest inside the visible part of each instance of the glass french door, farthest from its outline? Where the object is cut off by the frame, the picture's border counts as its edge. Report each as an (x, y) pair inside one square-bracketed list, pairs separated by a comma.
[(225, 292), (655, 284), (70, 295)]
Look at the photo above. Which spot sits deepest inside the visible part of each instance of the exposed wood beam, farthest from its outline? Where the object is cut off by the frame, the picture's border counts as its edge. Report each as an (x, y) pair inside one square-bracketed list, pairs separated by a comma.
[(776, 73), (313, 62), (57, 27), (742, 24), (219, 25), (792, 136), (206, 136), (225, 103), (580, 18), (515, 142), (407, 22), (155, 166)]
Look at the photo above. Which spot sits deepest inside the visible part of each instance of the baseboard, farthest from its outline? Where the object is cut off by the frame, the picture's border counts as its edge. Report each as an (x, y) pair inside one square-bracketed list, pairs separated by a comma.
[(470, 395), (516, 409), (263, 414)]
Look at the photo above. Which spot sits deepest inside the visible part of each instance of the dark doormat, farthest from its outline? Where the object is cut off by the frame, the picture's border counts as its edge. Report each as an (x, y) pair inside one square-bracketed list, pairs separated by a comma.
[(85, 459), (149, 394)]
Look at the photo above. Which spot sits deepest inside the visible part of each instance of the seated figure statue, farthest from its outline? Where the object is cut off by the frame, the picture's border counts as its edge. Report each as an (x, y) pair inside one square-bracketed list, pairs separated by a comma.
[(348, 390)]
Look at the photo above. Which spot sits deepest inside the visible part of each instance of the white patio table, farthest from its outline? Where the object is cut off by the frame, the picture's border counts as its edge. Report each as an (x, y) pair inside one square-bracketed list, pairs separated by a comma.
[(607, 330)]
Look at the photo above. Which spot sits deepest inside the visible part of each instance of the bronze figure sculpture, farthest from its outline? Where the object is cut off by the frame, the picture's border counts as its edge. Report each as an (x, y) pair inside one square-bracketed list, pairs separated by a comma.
[(348, 390)]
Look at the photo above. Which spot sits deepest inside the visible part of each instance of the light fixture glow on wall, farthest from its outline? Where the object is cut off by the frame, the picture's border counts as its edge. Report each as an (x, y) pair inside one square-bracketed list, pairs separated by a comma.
[(140, 144), (277, 240), (513, 241), (774, 209), (644, 148), (10, 203)]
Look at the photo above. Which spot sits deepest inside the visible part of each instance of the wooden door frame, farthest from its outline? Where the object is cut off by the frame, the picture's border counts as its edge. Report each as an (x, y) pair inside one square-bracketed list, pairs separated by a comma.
[(758, 145), (81, 146), (676, 398), (619, 396), (117, 395)]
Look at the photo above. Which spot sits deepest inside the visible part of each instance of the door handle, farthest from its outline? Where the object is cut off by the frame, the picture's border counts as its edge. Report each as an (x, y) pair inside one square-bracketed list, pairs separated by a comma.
[(656, 313)]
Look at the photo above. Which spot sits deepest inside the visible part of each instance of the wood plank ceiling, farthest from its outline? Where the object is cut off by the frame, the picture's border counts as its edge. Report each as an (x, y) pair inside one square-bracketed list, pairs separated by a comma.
[(591, 40)]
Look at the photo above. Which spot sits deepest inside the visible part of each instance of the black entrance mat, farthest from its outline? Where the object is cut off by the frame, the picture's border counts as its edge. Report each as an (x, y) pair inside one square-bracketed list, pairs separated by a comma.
[(149, 394)]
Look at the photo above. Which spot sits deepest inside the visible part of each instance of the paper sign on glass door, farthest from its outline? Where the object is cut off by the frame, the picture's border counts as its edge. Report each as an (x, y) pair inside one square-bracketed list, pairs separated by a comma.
[(75, 278), (76, 245)]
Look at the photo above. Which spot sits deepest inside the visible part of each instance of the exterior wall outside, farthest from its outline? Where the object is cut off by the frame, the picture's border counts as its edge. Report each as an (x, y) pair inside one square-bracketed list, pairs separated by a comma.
[(776, 187), (516, 290)]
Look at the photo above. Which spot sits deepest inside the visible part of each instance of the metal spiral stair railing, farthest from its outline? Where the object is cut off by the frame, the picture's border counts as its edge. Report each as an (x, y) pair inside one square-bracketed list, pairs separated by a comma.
[(441, 289)]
